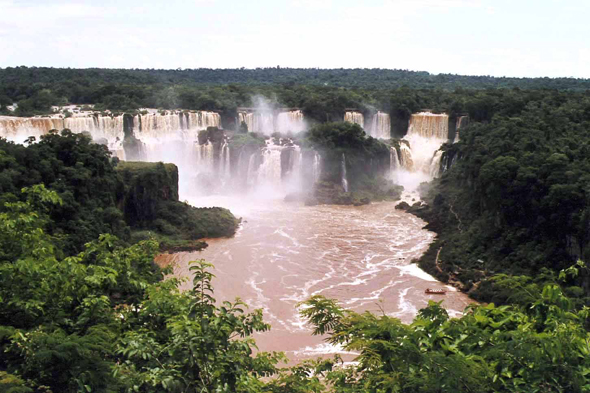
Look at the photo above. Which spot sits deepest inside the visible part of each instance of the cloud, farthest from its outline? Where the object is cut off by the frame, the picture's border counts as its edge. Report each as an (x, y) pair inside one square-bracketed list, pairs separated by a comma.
[(29, 19), (450, 36)]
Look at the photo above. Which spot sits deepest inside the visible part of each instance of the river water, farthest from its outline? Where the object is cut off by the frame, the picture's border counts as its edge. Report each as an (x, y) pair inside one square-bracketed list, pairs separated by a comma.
[(286, 252)]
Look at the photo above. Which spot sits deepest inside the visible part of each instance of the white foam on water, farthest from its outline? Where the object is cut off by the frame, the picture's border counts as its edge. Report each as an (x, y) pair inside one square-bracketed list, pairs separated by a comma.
[(406, 308), (280, 231), (261, 300), (413, 270), (375, 295), (323, 349), (455, 313)]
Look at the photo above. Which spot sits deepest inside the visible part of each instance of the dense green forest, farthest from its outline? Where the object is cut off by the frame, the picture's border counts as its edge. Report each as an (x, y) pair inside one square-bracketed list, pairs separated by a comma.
[(318, 92), (375, 78)]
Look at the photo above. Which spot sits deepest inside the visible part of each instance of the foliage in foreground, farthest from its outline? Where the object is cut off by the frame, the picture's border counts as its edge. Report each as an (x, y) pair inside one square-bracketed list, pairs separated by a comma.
[(103, 321), (543, 347)]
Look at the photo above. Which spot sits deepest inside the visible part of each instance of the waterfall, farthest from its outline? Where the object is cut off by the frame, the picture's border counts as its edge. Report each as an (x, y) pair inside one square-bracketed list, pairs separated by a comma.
[(148, 128), (18, 129), (292, 168), (173, 125), (295, 161), (247, 118), (355, 117), (419, 155), (291, 121), (426, 133), (435, 164), (343, 172), (173, 137), (205, 157), (462, 121), (394, 162), (224, 163), (317, 167), (281, 165), (406, 157), (258, 121), (429, 125), (252, 171), (109, 128), (269, 172), (380, 126)]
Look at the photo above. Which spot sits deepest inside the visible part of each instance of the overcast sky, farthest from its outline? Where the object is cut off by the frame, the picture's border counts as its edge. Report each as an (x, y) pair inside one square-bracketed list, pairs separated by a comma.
[(472, 37)]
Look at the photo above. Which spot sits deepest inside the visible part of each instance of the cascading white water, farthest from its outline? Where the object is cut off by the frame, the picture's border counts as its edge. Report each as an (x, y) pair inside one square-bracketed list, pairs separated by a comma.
[(394, 162), (173, 125), (426, 133), (262, 122), (406, 157), (461, 122), (269, 172), (435, 164), (173, 137), (420, 154), (291, 121), (151, 128), (246, 118), (205, 157), (317, 167), (343, 173), (252, 171), (110, 128), (101, 127), (380, 126), (292, 180), (225, 161), (355, 117), (18, 129), (429, 125)]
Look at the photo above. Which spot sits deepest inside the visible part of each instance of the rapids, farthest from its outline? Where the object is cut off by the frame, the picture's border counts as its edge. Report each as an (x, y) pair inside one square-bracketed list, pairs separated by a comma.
[(284, 253)]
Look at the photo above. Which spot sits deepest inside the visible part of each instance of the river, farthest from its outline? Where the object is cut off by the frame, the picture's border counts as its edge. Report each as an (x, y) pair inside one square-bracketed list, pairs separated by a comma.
[(286, 252)]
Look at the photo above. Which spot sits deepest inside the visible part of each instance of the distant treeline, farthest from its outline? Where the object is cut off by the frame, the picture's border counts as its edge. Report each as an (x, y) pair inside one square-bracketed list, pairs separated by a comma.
[(36, 89)]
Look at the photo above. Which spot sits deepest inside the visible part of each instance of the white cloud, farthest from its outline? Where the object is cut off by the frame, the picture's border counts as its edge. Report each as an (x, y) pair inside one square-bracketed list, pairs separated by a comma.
[(450, 36)]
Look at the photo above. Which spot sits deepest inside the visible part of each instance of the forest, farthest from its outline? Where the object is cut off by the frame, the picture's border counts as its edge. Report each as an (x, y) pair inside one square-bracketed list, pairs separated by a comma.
[(316, 91), (83, 307)]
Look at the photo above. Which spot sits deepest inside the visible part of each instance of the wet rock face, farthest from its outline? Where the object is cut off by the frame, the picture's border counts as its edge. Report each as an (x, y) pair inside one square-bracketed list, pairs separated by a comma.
[(361, 201), (330, 193), (402, 206)]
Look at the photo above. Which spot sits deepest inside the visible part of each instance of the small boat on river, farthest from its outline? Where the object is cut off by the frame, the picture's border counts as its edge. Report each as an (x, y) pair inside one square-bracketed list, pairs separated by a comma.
[(435, 291)]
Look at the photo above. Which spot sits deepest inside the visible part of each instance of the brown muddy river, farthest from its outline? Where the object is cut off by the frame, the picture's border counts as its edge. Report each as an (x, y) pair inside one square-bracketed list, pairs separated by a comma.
[(286, 252)]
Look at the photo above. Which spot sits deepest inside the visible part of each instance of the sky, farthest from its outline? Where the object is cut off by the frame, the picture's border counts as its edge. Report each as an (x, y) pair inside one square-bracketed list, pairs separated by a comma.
[(521, 38)]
